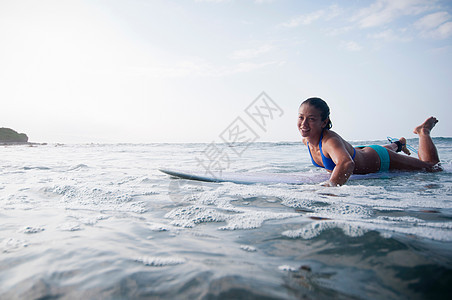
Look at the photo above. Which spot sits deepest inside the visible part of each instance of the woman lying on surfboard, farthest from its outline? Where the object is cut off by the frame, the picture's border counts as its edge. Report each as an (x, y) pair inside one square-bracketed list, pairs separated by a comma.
[(328, 150)]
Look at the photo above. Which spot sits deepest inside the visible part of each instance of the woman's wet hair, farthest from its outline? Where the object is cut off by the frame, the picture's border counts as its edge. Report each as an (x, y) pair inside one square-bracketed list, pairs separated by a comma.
[(322, 107)]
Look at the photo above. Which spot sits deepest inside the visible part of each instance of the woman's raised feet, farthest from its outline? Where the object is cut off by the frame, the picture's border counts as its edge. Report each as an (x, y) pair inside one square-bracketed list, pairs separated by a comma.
[(426, 127), (405, 150)]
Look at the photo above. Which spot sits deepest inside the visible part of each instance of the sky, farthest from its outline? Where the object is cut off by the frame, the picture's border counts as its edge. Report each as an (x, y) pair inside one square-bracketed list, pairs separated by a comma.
[(188, 71)]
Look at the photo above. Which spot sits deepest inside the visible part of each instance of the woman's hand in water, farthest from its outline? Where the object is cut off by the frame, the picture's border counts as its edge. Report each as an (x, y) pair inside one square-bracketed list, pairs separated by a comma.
[(328, 184)]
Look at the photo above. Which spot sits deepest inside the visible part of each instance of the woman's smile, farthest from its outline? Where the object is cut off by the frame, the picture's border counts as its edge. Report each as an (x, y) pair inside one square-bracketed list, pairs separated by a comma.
[(309, 120)]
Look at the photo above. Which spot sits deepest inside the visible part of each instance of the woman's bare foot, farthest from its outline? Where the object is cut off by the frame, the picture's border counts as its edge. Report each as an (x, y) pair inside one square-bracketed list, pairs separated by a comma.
[(426, 127), (398, 146), (402, 140)]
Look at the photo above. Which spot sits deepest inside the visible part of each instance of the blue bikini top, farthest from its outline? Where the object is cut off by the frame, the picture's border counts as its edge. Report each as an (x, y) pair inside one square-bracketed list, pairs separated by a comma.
[(327, 162)]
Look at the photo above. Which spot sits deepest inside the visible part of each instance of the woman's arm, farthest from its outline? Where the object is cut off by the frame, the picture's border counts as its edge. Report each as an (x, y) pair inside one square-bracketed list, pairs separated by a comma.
[(345, 165)]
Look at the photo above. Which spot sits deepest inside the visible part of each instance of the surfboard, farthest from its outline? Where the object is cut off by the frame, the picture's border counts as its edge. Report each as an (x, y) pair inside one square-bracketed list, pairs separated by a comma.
[(267, 178)]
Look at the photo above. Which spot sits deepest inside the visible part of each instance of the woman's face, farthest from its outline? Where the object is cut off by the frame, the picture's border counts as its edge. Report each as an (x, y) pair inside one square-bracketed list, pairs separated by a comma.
[(310, 122)]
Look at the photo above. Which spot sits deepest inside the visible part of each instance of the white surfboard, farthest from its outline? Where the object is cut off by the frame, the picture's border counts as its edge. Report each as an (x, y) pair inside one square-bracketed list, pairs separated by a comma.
[(267, 178)]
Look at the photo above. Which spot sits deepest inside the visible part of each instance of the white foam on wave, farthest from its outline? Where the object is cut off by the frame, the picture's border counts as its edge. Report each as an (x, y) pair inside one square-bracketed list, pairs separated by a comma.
[(314, 229), (189, 216), (287, 268), (420, 228), (242, 218), (90, 198), (217, 206), (412, 220), (248, 248), (32, 229), (342, 211), (351, 208), (250, 219), (70, 226), (157, 261), (208, 206)]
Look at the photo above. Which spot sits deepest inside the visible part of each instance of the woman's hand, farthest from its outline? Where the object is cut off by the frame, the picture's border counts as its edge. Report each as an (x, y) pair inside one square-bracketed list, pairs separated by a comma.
[(328, 184)]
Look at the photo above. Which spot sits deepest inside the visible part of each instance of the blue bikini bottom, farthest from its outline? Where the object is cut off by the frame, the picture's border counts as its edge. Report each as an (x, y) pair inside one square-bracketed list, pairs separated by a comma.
[(384, 157)]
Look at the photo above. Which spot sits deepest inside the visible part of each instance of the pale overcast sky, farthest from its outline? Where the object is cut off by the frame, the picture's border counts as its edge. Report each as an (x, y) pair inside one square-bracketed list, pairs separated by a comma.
[(183, 71)]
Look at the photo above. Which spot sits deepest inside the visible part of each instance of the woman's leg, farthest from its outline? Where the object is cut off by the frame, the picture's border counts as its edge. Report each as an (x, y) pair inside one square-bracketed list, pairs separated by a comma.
[(394, 146), (427, 150), (408, 163), (428, 155)]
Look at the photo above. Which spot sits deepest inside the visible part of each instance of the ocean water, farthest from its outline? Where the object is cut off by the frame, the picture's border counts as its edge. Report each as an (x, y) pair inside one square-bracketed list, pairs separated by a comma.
[(99, 221)]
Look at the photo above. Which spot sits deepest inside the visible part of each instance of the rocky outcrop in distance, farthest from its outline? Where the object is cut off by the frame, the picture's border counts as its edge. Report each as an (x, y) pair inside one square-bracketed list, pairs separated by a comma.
[(9, 136)]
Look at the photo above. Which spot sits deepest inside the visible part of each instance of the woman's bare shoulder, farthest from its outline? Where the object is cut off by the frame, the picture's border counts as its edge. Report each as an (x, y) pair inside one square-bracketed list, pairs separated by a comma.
[(331, 135), (333, 139)]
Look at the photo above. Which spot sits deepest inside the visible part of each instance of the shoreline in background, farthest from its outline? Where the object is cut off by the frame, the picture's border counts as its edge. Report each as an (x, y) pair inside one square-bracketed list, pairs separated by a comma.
[(21, 143), (280, 143)]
